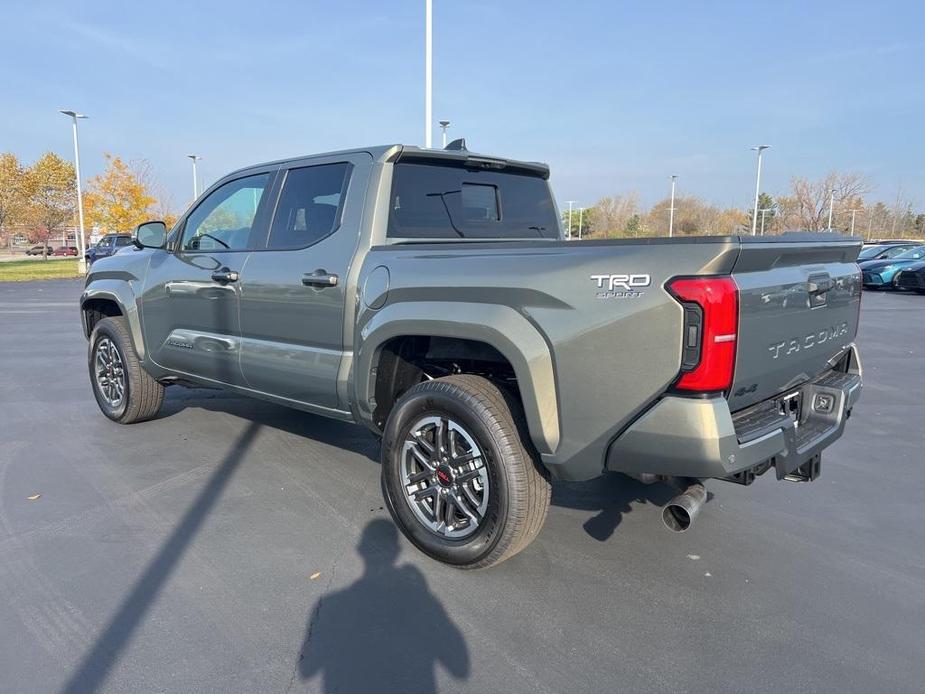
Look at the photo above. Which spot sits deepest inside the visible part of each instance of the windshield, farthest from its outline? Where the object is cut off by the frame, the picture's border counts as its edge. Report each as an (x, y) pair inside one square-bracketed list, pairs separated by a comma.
[(870, 252), (916, 253)]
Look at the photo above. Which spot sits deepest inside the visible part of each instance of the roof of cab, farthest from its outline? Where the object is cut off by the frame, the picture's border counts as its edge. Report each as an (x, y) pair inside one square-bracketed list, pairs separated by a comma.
[(393, 153)]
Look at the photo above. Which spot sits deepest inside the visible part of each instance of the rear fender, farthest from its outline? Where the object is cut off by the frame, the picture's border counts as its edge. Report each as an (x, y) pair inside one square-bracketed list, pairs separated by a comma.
[(499, 326)]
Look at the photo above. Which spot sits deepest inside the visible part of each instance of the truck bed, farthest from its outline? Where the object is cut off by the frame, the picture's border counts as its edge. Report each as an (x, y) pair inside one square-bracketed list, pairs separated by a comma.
[(606, 332)]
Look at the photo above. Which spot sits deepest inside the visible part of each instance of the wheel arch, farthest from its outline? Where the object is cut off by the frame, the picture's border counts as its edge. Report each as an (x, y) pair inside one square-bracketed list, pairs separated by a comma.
[(499, 328), (110, 298)]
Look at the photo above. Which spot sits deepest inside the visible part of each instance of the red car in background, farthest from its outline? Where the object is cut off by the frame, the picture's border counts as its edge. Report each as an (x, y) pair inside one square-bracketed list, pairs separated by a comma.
[(65, 250)]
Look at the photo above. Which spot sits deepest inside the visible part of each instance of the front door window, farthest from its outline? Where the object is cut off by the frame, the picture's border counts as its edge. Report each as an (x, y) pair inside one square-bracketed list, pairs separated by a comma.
[(225, 219)]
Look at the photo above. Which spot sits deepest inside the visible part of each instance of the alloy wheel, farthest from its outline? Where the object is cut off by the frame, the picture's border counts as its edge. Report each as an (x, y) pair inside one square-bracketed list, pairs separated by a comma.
[(445, 477), (110, 372)]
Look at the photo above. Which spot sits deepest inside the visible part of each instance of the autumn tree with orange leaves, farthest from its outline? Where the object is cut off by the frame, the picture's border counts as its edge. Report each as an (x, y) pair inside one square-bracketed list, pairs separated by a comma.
[(51, 188), (120, 198)]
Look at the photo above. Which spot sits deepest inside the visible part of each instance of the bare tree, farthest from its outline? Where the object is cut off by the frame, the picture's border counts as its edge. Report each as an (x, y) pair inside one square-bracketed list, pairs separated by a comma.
[(693, 216), (901, 215), (807, 206), (611, 216)]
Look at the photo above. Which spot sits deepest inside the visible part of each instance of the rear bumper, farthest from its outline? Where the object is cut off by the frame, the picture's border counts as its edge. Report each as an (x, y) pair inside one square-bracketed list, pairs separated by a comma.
[(688, 437)]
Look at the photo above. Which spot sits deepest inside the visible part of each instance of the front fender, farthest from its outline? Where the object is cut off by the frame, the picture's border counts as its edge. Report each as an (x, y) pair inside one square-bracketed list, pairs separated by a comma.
[(499, 326), (121, 293)]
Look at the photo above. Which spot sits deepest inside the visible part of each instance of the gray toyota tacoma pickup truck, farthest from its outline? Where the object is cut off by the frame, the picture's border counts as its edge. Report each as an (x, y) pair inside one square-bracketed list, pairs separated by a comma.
[(429, 295)]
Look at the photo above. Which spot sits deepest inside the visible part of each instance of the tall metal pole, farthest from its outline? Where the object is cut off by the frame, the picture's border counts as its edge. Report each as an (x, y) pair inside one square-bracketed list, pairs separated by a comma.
[(428, 72), (763, 212), (570, 203), (194, 158), (870, 224), (831, 206), (444, 124), (759, 149), (81, 261), (580, 213), (853, 212), (671, 211)]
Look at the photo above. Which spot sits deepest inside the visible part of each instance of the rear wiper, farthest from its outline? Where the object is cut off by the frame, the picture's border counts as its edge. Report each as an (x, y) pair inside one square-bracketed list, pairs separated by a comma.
[(447, 208)]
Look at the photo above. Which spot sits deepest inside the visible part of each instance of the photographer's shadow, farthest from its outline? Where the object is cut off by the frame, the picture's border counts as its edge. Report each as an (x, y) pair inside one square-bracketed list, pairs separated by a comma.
[(386, 632)]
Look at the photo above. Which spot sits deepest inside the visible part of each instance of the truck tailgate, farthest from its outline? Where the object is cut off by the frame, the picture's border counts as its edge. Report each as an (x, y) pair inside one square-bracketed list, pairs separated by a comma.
[(799, 302)]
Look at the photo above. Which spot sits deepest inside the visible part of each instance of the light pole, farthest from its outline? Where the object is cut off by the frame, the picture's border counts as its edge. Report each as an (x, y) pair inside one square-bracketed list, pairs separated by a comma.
[(870, 224), (444, 124), (853, 212), (570, 203), (81, 261), (759, 149), (580, 213), (428, 72), (831, 207), (194, 158), (763, 211), (674, 179)]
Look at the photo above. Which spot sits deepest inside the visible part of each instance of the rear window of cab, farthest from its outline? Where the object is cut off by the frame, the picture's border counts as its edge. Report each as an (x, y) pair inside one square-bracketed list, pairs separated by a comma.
[(436, 201)]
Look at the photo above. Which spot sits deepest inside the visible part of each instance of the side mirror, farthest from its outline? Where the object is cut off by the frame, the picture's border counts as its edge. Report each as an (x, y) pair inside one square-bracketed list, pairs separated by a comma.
[(150, 235)]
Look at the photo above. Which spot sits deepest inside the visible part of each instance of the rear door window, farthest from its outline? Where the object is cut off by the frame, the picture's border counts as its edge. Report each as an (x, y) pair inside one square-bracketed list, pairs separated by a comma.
[(440, 201), (310, 205)]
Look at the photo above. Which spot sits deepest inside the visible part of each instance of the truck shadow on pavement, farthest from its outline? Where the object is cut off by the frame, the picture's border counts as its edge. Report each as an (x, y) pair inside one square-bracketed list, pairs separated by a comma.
[(612, 496), (346, 435), (386, 632)]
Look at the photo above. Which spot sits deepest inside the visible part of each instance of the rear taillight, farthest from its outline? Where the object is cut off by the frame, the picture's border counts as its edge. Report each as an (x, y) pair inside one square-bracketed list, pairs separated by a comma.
[(711, 318)]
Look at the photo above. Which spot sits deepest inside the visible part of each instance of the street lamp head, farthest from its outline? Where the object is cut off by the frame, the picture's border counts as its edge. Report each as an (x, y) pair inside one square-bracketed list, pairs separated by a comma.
[(674, 177), (760, 148), (444, 123), (194, 157), (72, 114)]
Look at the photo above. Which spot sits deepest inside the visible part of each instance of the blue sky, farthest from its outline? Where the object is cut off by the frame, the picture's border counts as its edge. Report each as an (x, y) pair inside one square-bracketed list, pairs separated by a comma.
[(615, 96)]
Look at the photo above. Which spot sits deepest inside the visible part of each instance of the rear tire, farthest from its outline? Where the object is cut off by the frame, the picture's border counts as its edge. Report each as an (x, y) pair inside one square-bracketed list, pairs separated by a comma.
[(124, 391), (459, 474)]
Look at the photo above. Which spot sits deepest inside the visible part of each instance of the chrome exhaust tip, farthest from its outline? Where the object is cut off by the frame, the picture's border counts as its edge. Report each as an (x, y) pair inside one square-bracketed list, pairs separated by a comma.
[(680, 512)]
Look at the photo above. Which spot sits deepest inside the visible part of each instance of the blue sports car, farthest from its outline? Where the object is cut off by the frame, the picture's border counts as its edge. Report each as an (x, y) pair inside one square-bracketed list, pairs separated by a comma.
[(879, 274)]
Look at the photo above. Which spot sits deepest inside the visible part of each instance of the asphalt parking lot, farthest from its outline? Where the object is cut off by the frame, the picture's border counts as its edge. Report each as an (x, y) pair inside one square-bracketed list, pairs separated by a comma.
[(236, 546)]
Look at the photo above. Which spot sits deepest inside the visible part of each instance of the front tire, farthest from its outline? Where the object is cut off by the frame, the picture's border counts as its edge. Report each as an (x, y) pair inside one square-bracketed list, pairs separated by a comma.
[(459, 473), (125, 392)]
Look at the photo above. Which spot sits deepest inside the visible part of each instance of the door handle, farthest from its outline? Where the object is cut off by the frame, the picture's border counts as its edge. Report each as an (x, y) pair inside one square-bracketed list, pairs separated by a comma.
[(319, 278), (224, 275), (819, 286)]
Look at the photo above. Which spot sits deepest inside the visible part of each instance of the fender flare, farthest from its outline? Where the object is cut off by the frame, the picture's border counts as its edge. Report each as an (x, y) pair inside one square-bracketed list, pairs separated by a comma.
[(499, 326), (121, 294)]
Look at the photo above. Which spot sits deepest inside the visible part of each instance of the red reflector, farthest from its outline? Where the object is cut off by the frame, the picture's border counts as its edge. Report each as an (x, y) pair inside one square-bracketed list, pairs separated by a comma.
[(718, 298)]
